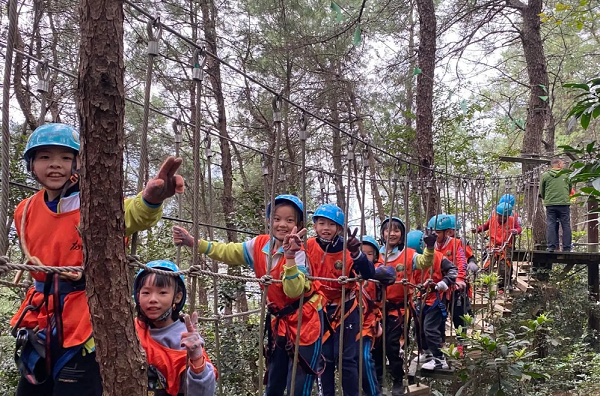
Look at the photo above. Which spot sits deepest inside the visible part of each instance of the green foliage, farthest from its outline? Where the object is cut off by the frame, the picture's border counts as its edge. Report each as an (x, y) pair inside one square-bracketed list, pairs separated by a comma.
[(588, 105)]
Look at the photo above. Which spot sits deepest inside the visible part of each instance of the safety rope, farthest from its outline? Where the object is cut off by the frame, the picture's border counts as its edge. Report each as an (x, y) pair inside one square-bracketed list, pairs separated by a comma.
[(43, 73), (8, 63)]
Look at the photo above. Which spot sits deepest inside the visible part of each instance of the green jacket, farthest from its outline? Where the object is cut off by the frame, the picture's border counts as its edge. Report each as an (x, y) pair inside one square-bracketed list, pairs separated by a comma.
[(555, 188)]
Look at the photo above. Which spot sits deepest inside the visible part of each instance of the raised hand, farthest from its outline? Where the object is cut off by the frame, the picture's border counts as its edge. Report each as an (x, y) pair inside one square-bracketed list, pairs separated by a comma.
[(353, 243), (165, 184), (292, 242), (191, 340), (430, 238), (181, 237)]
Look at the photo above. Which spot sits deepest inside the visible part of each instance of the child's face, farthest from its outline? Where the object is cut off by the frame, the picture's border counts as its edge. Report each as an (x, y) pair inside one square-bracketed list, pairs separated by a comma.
[(369, 251), (52, 166), (326, 228), (284, 220), (395, 235), (155, 300), (501, 218), (441, 235), (450, 233)]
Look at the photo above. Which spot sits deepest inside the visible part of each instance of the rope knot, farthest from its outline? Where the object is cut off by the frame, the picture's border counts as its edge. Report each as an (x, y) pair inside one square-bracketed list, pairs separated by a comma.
[(342, 280), (266, 280)]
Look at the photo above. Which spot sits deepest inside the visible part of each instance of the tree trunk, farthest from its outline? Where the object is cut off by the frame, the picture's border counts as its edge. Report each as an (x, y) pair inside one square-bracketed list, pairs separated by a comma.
[(209, 18), (101, 108), (535, 59), (427, 48)]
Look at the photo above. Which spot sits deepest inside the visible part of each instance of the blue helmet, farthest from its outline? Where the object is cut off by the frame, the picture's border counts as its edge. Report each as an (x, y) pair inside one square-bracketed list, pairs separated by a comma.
[(288, 198), (369, 240), (62, 135), (167, 266), (507, 198), (414, 240), (504, 209), (385, 274), (440, 222), (331, 212), (454, 222)]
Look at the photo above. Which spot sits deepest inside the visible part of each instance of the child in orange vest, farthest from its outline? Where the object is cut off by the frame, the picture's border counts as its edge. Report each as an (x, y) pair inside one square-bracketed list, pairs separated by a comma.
[(431, 313), (403, 261), (177, 361), (326, 254), (47, 225), (290, 265)]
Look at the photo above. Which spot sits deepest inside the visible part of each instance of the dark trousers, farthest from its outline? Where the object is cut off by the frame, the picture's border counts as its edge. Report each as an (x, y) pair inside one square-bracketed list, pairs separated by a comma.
[(331, 348), (80, 376), (461, 306), (433, 330), (556, 214), (370, 384), (280, 368), (394, 333)]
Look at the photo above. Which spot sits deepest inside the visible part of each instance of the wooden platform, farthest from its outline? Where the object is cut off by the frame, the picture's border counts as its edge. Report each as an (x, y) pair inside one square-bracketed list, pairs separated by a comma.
[(544, 257)]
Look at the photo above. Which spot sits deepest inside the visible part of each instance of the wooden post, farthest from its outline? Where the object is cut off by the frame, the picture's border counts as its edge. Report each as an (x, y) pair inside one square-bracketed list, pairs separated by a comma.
[(593, 270)]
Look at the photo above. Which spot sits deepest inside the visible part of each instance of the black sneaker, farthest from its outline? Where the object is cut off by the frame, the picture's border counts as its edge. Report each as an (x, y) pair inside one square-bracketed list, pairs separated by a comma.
[(550, 250)]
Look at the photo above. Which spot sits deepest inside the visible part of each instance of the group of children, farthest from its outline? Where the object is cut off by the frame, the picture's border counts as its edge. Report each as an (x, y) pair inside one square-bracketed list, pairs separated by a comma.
[(56, 352)]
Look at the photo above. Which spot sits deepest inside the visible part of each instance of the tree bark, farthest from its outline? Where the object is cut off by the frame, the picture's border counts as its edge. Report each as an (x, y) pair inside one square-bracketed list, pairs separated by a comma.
[(424, 133), (533, 49), (101, 108)]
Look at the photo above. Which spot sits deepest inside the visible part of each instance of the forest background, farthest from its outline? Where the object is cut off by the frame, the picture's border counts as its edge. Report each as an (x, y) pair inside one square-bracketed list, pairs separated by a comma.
[(366, 67)]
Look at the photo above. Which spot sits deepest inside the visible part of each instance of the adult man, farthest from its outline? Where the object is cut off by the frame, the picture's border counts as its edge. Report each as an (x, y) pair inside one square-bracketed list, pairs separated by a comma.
[(555, 191)]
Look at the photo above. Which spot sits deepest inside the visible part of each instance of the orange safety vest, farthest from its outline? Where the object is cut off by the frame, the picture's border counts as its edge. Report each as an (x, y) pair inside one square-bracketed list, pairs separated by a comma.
[(55, 240), (171, 363), (500, 232), (420, 276), (403, 265), (330, 265), (372, 308), (278, 300)]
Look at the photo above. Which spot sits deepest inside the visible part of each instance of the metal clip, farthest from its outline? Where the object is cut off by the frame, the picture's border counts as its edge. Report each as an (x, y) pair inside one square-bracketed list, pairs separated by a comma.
[(303, 125), (277, 101), (265, 168), (282, 174), (177, 130), (199, 60), (154, 38), (43, 73)]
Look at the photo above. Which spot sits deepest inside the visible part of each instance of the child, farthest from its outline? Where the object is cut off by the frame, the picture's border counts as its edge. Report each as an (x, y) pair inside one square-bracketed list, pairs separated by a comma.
[(326, 255), (290, 265), (501, 229), (452, 249), (431, 313), (47, 225), (403, 261), (171, 343), (372, 319)]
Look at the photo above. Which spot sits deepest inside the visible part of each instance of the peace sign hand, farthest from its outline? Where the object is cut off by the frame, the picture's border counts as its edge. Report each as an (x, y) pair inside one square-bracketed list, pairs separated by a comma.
[(292, 242), (353, 243), (165, 184), (191, 339)]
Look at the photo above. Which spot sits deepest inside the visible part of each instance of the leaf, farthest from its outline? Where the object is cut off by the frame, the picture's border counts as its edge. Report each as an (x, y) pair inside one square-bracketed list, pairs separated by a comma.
[(417, 71), (535, 375), (544, 98), (590, 147), (543, 87), (596, 111), (581, 86), (338, 11), (596, 183), (571, 124), (357, 36), (585, 120)]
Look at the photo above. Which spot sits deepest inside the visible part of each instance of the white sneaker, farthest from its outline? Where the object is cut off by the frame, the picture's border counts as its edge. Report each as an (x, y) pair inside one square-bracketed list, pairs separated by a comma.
[(436, 364), (424, 356)]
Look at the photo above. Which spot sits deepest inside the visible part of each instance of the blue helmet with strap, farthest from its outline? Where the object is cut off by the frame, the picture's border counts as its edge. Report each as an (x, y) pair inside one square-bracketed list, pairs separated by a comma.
[(440, 222), (369, 240), (454, 222), (414, 240), (165, 265), (507, 198), (331, 212), (504, 209), (60, 135), (288, 198)]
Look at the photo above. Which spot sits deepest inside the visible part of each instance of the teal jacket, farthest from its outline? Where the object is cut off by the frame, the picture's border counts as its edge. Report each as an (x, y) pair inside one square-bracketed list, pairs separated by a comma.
[(555, 188)]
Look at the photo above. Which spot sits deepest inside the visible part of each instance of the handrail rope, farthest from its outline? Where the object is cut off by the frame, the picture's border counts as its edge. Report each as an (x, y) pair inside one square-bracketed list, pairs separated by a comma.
[(240, 144), (8, 63)]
